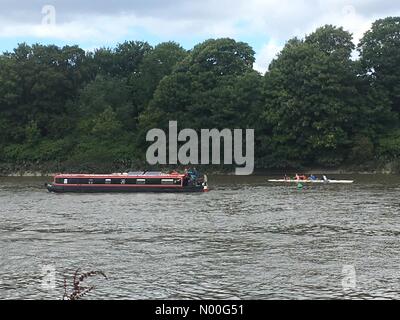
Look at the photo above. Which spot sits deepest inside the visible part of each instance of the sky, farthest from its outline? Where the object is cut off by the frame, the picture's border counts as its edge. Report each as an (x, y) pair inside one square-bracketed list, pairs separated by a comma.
[(265, 24)]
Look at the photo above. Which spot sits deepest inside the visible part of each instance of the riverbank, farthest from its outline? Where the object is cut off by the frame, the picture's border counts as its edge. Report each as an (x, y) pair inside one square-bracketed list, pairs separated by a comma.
[(46, 171)]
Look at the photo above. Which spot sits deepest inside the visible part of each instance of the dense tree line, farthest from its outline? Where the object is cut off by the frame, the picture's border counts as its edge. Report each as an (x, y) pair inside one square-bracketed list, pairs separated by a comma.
[(316, 105)]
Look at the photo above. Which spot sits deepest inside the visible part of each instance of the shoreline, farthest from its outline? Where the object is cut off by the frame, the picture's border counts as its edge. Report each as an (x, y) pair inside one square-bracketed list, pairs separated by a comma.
[(262, 172), (51, 169)]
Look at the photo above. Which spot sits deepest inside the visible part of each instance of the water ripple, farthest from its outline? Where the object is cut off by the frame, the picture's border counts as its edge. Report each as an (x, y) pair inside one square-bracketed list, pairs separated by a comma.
[(246, 239)]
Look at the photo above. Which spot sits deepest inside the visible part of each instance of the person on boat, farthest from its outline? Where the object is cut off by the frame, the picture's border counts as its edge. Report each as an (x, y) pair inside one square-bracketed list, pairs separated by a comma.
[(297, 177), (302, 177), (300, 186), (325, 178), (186, 178), (192, 172), (312, 178)]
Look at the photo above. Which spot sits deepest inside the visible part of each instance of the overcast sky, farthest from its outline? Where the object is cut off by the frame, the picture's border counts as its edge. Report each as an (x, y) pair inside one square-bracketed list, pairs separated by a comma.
[(265, 24)]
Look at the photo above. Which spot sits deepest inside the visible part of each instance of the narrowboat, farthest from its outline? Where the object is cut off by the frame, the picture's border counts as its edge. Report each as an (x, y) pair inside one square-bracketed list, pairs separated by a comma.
[(128, 182)]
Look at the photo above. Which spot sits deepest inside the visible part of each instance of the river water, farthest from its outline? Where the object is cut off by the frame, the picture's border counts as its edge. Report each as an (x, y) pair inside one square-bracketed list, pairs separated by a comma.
[(245, 239)]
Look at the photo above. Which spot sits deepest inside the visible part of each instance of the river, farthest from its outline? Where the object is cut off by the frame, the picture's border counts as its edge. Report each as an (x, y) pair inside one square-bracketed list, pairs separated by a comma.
[(245, 239)]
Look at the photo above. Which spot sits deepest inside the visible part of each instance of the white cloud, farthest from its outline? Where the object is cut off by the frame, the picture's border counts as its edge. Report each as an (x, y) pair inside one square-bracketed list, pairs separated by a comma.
[(285, 19), (267, 53)]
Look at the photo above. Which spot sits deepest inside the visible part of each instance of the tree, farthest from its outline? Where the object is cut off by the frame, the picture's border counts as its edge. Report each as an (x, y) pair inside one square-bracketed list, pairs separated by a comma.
[(208, 89), (220, 56), (122, 61), (10, 92), (43, 79), (203, 90), (380, 58), (332, 41), (106, 125), (103, 92), (315, 106), (157, 64), (311, 100), (129, 56)]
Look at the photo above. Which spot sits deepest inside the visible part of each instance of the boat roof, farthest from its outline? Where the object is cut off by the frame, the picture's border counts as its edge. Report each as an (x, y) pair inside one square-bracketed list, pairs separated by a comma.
[(138, 174)]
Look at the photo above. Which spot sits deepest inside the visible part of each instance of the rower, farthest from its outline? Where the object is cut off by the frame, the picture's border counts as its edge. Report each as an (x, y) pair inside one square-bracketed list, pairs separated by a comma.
[(300, 185), (325, 178), (312, 178), (192, 172)]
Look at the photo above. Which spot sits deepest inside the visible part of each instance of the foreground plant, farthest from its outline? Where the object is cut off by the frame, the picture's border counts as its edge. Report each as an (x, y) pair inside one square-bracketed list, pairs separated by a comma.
[(80, 291)]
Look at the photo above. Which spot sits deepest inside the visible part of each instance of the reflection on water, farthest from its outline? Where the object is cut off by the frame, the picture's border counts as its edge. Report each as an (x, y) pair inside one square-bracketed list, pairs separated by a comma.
[(246, 239)]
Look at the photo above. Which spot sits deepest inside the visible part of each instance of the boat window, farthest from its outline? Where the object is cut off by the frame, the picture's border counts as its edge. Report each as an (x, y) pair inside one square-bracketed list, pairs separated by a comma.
[(123, 181), (141, 181), (65, 181), (108, 181), (167, 181), (153, 181)]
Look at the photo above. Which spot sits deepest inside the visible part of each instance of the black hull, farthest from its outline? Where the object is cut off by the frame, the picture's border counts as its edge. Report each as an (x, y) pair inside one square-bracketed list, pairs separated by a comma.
[(116, 189)]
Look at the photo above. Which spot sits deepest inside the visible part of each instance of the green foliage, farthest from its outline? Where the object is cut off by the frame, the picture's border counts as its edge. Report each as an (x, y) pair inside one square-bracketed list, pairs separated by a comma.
[(104, 92), (32, 133), (122, 61), (362, 150), (380, 58), (106, 125), (46, 150), (208, 89), (155, 66), (310, 103), (333, 41), (37, 83), (389, 146), (316, 105), (219, 56)]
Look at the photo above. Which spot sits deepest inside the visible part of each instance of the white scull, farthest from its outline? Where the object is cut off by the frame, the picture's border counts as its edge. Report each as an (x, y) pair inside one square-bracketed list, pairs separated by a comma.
[(329, 181)]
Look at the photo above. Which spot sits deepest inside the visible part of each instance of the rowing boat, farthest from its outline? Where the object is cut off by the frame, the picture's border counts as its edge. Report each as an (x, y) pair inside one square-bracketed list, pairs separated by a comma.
[(329, 181)]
